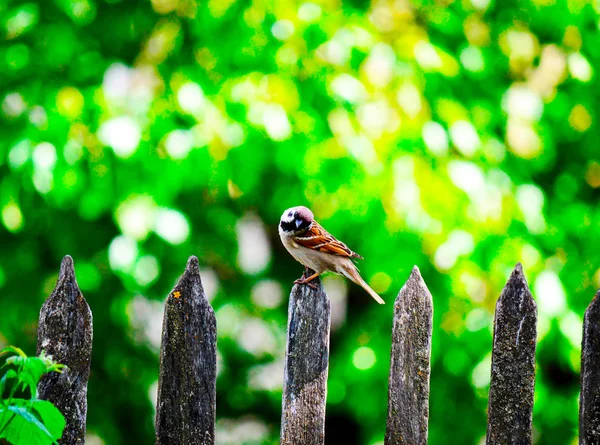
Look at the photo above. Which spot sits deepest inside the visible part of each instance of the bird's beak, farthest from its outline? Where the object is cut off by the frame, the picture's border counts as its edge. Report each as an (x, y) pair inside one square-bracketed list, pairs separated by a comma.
[(298, 222)]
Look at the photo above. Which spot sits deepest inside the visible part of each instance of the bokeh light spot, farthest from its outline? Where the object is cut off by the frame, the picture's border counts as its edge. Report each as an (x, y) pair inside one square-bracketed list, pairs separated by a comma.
[(364, 358), (12, 218), (122, 134), (172, 226)]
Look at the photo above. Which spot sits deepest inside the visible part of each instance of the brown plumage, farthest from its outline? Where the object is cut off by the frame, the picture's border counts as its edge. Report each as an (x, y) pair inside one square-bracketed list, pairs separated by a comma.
[(317, 238), (314, 247)]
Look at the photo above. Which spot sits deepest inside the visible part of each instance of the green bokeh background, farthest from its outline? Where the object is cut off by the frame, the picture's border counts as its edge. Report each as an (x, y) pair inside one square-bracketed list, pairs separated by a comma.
[(460, 136)]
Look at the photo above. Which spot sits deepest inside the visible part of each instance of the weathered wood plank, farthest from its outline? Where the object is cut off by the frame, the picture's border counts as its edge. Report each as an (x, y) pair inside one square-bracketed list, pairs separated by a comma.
[(65, 333), (306, 366), (589, 402), (186, 403), (408, 391), (510, 403)]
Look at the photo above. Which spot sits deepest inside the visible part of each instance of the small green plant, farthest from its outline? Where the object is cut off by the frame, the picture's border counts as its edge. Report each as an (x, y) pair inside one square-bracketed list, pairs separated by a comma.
[(24, 419)]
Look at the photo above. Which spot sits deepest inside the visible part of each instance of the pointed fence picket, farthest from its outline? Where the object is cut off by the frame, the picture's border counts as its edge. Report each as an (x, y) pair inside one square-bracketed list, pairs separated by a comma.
[(65, 333), (408, 390), (510, 403), (186, 405), (187, 377), (306, 365)]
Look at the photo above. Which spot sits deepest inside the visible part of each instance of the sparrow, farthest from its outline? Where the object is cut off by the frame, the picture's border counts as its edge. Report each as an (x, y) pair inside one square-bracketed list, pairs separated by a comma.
[(315, 248)]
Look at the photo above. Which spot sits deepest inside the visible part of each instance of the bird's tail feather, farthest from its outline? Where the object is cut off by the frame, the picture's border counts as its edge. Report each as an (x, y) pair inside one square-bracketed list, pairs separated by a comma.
[(352, 273)]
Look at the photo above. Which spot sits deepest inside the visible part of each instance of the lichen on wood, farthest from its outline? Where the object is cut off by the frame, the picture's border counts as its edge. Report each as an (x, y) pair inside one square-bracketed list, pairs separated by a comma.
[(408, 390), (186, 402), (589, 402), (65, 334), (306, 366), (512, 381)]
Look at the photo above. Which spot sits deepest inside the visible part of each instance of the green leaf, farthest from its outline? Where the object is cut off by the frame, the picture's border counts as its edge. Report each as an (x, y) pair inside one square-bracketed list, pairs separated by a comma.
[(10, 374), (31, 372), (14, 350), (51, 365), (15, 361), (20, 426), (52, 418), (28, 421)]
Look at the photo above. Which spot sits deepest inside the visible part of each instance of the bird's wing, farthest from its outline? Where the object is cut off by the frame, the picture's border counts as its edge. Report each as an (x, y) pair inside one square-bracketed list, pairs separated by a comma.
[(317, 238)]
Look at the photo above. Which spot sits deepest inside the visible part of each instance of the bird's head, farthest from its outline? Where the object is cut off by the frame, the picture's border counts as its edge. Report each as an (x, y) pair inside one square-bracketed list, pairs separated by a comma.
[(296, 220)]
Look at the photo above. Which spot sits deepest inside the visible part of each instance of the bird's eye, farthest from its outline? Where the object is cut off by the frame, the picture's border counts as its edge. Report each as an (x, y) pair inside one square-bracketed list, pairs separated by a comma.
[(290, 214)]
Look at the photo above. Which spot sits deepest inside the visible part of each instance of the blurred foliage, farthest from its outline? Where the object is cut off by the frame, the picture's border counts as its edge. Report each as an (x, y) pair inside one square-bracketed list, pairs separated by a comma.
[(460, 136), (24, 419)]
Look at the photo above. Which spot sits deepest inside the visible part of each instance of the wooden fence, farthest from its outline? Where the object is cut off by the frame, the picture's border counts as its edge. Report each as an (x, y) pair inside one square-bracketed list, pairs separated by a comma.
[(187, 384)]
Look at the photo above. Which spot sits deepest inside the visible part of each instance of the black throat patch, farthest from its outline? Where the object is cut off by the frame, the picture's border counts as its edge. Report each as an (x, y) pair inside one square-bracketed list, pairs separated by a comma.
[(291, 226)]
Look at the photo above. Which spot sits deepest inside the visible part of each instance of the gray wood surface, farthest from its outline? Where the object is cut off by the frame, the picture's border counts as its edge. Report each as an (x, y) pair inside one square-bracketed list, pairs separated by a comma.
[(65, 333), (306, 366), (186, 403), (589, 403), (512, 382), (408, 390)]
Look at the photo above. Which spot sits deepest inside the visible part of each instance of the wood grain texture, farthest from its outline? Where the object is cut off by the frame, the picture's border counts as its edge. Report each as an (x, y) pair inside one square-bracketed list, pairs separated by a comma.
[(186, 403), (589, 402), (408, 391), (512, 382), (306, 366), (65, 334)]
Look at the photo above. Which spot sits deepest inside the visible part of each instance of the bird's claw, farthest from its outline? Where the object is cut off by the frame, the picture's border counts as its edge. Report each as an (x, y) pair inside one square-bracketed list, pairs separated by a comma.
[(308, 283)]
